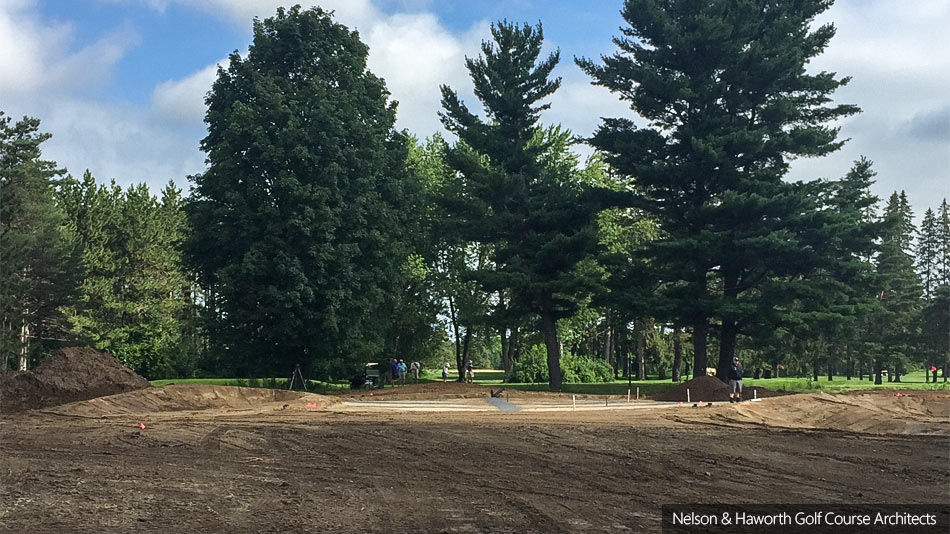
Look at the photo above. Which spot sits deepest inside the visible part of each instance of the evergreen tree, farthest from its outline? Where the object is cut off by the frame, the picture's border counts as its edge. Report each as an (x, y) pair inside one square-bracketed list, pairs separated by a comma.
[(935, 331), (943, 246), (39, 266), (131, 300), (723, 87), (897, 321), (520, 186), (928, 249), (300, 219)]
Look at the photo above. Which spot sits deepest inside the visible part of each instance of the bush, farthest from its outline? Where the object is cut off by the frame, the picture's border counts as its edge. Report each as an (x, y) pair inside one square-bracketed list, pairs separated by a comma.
[(532, 368), (585, 370)]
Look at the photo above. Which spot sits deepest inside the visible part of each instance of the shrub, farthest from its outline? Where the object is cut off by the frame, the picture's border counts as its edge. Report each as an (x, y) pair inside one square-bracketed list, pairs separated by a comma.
[(532, 367)]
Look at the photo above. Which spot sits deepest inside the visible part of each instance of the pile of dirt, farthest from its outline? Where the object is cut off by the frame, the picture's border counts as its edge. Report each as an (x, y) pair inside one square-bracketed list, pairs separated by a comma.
[(711, 389), (877, 412), (72, 374), (196, 398)]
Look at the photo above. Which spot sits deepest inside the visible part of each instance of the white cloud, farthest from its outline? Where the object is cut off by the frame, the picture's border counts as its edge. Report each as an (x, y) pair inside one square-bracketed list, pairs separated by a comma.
[(35, 56), (896, 55), (242, 12), (120, 142), (415, 55), (183, 100)]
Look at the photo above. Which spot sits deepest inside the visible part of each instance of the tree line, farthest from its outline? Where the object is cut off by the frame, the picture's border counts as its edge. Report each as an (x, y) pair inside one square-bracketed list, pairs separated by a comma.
[(320, 235)]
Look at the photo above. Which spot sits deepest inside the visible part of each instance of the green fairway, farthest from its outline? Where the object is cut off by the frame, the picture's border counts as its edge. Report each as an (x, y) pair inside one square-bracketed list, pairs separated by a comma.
[(272, 383), (914, 380)]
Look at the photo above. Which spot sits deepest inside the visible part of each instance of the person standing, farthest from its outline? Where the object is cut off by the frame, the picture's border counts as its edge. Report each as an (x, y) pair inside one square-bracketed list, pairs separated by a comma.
[(414, 368), (402, 371), (735, 381), (469, 372), (445, 371), (393, 372)]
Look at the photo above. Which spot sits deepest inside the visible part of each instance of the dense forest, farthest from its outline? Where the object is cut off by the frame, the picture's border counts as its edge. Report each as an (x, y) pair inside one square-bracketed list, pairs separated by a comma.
[(320, 235)]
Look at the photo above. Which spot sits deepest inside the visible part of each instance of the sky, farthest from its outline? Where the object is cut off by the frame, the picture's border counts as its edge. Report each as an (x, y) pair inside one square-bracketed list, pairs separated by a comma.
[(120, 83)]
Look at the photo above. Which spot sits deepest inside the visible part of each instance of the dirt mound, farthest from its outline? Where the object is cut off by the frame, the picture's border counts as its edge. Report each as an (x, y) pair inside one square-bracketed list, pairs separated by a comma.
[(72, 374), (912, 413), (194, 398), (711, 389), (452, 390)]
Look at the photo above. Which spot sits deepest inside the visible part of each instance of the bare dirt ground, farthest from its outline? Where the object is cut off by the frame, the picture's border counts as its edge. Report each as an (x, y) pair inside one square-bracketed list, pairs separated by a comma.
[(217, 459)]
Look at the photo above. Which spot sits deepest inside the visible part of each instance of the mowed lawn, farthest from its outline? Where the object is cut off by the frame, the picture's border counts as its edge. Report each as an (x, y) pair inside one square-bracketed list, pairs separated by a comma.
[(491, 377)]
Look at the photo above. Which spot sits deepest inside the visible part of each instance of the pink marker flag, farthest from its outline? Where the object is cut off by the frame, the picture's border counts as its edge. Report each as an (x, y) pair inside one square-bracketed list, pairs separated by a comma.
[(142, 426)]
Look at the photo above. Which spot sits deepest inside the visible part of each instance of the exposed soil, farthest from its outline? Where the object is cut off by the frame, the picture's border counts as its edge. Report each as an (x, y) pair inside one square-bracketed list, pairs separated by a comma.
[(711, 389), (71, 374), (218, 459)]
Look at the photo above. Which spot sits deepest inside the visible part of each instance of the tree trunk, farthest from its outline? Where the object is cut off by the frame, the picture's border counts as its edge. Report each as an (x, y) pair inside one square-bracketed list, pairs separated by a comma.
[(727, 348), (814, 371), (609, 347), (456, 330), (729, 331), (506, 363), (677, 354), (774, 370), (898, 370), (877, 374), (831, 371), (642, 348), (24, 345), (890, 375), (700, 358), (4, 327), (554, 350), (466, 348)]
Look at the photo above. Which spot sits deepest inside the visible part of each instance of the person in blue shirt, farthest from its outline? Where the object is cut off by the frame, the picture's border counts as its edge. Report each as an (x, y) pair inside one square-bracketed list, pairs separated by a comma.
[(402, 371)]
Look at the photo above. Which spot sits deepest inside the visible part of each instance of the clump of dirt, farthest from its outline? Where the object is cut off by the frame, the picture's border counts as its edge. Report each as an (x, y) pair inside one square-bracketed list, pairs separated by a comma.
[(710, 389), (72, 374)]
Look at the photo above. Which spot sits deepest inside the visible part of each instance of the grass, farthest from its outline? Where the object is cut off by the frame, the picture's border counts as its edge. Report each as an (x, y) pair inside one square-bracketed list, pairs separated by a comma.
[(914, 380), (272, 383)]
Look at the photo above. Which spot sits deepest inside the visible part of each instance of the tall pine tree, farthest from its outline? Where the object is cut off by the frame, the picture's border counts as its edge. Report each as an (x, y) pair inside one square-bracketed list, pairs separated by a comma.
[(723, 87), (928, 253), (895, 325), (521, 190), (39, 262)]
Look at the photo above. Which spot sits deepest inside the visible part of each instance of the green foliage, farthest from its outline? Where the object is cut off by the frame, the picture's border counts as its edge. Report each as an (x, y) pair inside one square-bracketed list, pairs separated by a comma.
[(519, 189), (723, 87), (532, 368), (39, 262), (303, 211), (131, 300)]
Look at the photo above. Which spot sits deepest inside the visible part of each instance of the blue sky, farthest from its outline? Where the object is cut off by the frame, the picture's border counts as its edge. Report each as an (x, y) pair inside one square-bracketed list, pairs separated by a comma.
[(119, 83)]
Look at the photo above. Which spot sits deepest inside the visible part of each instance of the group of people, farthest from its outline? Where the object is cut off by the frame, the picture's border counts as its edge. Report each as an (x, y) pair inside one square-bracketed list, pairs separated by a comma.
[(398, 371)]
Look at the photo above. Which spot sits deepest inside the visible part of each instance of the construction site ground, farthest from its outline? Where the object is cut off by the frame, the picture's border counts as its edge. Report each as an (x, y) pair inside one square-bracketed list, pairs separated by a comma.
[(444, 458)]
